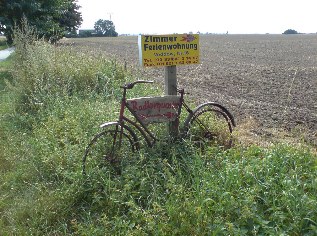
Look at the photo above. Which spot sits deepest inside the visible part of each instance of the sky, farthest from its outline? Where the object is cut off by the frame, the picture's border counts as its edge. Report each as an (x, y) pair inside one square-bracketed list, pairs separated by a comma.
[(212, 16)]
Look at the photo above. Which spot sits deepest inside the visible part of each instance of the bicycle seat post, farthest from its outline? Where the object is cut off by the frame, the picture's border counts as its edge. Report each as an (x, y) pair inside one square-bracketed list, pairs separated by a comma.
[(123, 103)]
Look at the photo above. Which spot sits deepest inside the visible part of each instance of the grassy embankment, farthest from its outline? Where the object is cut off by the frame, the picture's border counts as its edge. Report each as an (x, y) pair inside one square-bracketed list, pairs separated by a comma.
[(3, 43), (52, 101)]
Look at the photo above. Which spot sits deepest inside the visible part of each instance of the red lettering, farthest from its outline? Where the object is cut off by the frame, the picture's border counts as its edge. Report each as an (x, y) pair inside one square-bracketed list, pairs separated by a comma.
[(134, 105)]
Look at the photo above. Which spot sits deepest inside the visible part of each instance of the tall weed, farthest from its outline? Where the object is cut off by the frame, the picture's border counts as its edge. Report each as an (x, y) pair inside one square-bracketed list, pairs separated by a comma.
[(44, 72)]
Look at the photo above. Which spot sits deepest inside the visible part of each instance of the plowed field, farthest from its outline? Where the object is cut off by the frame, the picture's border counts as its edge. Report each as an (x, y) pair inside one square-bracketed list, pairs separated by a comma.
[(270, 79)]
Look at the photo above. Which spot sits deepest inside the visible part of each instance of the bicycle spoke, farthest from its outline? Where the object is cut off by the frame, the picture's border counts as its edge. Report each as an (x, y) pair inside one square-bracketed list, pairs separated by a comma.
[(209, 125), (107, 149)]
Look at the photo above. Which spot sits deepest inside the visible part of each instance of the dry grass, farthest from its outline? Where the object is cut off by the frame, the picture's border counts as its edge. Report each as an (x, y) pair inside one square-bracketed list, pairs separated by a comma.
[(249, 133)]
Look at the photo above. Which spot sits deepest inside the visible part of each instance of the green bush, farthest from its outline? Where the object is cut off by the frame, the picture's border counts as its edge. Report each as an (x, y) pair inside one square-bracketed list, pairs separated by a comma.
[(43, 72), (3, 44), (290, 31), (46, 72)]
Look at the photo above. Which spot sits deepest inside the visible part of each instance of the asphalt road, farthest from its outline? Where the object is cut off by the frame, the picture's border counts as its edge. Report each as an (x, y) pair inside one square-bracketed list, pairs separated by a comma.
[(5, 53)]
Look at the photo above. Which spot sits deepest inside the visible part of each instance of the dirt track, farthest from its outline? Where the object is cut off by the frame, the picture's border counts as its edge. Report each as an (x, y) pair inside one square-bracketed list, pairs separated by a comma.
[(5, 53), (271, 78)]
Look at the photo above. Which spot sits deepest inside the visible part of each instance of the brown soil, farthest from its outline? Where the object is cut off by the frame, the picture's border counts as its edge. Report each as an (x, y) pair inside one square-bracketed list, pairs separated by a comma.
[(268, 79)]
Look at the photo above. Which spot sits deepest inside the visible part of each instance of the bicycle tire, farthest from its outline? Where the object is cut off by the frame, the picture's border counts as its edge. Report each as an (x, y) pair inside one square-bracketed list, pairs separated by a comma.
[(104, 149), (210, 124)]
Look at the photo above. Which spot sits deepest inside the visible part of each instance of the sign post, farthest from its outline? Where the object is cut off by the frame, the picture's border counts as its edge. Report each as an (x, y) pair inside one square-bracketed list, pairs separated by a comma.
[(169, 51), (171, 89)]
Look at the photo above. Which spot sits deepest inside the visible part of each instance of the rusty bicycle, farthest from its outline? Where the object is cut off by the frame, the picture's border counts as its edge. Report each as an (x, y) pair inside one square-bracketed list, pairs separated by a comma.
[(208, 124)]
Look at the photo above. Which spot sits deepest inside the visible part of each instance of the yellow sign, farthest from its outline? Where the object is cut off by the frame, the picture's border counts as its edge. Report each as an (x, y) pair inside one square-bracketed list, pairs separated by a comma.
[(169, 50)]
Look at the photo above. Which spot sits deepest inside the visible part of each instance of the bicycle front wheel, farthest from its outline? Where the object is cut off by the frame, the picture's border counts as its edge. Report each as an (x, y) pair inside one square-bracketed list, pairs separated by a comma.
[(210, 124), (108, 148)]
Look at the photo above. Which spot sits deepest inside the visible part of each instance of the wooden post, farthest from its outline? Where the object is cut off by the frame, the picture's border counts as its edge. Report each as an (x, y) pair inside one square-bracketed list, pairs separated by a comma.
[(171, 89)]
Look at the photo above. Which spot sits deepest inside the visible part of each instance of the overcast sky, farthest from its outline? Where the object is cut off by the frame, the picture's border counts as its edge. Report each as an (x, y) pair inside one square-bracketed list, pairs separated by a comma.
[(213, 16)]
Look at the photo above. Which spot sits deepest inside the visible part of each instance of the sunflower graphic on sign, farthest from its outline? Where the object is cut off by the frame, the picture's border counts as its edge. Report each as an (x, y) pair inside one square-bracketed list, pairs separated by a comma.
[(188, 38)]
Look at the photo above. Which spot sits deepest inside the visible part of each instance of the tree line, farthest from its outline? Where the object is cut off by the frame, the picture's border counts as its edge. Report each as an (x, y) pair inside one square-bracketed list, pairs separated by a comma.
[(52, 19), (102, 28)]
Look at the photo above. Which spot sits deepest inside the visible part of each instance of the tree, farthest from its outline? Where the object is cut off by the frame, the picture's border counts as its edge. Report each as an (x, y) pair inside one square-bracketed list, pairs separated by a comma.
[(71, 17), (105, 28), (50, 18), (290, 31)]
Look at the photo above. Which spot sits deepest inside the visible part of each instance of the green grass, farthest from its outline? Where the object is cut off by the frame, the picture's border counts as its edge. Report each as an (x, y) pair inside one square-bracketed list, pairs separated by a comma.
[(3, 44), (51, 105), (5, 72)]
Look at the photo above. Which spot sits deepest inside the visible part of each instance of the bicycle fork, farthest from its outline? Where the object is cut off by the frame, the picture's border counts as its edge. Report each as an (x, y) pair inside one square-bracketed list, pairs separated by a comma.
[(120, 123)]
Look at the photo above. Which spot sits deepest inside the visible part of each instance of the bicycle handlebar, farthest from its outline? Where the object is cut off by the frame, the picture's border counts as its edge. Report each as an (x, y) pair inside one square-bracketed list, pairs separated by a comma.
[(131, 85), (180, 90)]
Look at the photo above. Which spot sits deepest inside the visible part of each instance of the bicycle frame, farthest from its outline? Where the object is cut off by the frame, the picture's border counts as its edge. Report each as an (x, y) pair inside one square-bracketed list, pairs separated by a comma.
[(142, 127), (139, 124), (159, 109)]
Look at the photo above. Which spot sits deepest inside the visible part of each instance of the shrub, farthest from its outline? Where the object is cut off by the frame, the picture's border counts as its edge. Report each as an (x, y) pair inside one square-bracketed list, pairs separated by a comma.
[(44, 71), (290, 31)]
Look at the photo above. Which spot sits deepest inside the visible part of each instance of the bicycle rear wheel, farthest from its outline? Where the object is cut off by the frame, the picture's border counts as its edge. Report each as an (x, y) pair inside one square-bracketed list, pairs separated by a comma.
[(210, 124), (107, 148)]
